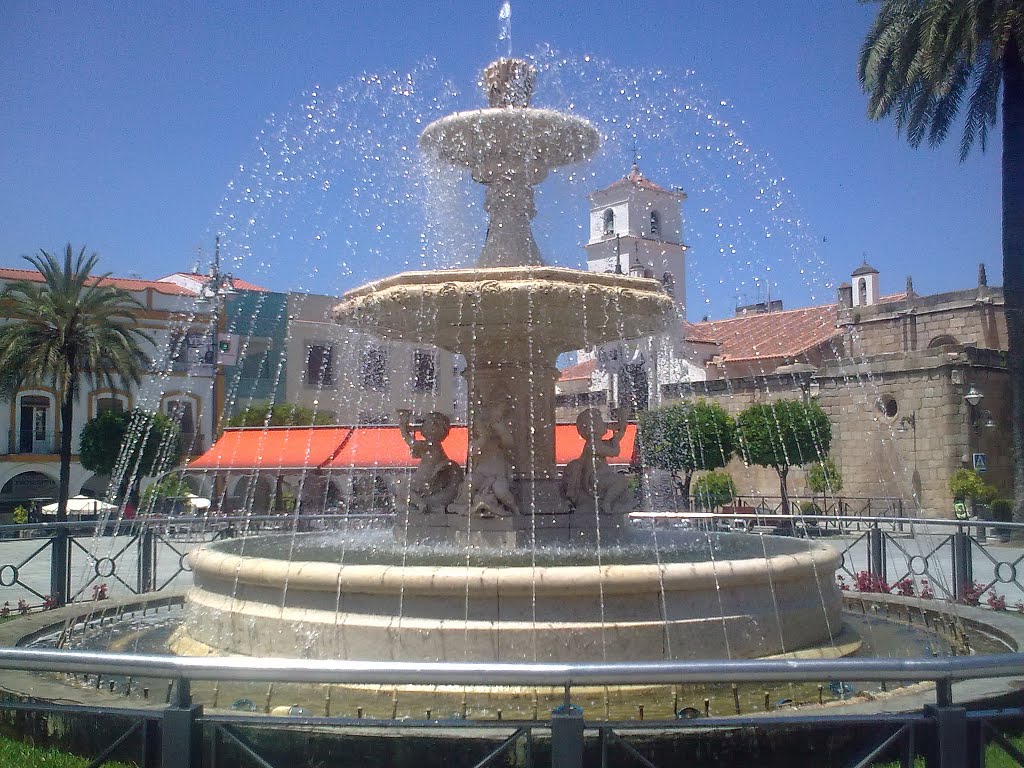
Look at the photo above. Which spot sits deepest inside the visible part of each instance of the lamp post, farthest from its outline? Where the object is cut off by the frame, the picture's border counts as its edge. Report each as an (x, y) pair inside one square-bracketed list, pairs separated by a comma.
[(214, 290), (915, 479), (978, 418)]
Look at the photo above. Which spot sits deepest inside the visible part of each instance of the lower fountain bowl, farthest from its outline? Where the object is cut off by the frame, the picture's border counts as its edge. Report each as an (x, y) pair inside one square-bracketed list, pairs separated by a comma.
[(342, 607)]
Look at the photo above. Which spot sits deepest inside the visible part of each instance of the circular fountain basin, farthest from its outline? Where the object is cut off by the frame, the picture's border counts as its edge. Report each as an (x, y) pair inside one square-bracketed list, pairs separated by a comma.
[(698, 596), (492, 140), (556, 308)]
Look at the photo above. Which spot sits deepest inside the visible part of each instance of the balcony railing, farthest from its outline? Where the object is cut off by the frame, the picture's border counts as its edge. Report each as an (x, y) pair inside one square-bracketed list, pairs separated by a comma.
[(34, 443)]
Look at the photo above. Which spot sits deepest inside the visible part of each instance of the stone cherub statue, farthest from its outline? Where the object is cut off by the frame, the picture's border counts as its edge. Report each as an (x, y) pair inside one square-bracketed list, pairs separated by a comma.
[(436, 481), (590, 481), (490, 477)]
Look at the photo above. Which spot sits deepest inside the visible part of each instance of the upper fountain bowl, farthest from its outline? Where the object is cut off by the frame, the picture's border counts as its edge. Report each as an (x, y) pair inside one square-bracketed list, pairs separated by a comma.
[(511, 138), (491, 142)]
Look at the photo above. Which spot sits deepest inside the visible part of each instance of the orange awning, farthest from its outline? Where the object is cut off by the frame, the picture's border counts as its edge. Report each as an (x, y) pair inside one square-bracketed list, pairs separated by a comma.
[(384, 447), (569, 444), (273, 448), (370, 447)]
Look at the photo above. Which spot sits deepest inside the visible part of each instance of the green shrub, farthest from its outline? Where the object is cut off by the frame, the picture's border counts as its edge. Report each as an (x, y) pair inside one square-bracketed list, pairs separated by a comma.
[(824, 477), (1002, 510), (20, 515), (714, 489), (967, 484)]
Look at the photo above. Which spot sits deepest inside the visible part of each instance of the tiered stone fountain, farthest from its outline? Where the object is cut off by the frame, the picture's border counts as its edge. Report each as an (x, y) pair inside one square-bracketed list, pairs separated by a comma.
[(594, 599)]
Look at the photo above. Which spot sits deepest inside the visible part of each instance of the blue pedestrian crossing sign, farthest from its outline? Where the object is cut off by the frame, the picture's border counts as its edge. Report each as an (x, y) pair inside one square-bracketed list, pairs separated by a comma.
[(980, 462)]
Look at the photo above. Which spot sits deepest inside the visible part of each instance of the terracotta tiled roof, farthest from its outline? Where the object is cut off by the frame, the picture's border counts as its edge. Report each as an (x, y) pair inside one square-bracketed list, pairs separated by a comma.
[(579, 371), (304, 448), (237, 282), (772, 335), (127, 283), (697, 333), (636, 179)]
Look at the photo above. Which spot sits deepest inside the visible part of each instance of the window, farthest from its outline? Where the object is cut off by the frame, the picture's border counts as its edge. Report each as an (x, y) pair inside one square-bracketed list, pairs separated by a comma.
[(942, 341), (424, 371), (655, 224), (181, 413), (319, 365), (887, 406), (104, 404), (609, 222), (862, 292), (34, 434), (373, 365), (372, 418)]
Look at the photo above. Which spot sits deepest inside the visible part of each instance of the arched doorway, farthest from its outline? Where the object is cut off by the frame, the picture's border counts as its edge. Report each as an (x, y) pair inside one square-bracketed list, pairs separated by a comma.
[(27, 489)]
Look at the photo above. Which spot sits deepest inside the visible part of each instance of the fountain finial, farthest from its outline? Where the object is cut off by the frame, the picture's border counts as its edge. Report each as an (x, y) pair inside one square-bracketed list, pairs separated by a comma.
[(509, 82)]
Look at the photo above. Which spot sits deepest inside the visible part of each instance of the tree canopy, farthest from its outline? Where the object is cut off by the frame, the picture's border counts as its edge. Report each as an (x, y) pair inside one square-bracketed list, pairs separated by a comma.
[(136, 444), (687, 437), (279, 415), (783, 434)]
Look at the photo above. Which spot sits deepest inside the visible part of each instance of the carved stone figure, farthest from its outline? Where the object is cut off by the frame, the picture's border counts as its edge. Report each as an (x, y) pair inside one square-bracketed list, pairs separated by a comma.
[(436, 481), (589, 481), (491, 469)]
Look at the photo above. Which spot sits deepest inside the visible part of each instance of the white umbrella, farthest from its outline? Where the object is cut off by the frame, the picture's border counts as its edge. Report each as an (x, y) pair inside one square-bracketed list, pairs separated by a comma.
[(78, 505), (197, 502)]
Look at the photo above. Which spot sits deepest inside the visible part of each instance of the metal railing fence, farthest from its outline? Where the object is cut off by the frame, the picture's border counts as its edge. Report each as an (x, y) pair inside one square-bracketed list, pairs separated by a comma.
[(955, 736), (66, 562)]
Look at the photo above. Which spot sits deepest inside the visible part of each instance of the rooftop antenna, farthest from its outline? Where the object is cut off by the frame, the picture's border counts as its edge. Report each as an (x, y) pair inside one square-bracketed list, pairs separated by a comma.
[(216, 255)]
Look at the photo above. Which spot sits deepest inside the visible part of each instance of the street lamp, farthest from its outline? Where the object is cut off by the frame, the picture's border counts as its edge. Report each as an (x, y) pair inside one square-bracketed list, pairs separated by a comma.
[(973, 396), (979, 417), (908, 421), (214, 291), (915, 480)]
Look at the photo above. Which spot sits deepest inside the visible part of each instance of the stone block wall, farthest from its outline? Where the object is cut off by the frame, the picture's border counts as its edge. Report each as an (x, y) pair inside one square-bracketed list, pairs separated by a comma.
[(971, 317)]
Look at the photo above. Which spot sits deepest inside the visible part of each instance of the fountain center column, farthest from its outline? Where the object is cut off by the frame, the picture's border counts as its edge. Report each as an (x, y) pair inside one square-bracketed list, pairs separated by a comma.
[(517, 390), (509, 201)]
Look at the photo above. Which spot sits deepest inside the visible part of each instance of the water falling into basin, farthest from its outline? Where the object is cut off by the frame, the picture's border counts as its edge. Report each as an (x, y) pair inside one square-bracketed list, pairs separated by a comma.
[(511, 559)]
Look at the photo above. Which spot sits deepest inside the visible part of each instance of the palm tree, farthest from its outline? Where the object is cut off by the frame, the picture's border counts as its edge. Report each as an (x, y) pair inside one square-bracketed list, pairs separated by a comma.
[(921, 62), (71, 328)]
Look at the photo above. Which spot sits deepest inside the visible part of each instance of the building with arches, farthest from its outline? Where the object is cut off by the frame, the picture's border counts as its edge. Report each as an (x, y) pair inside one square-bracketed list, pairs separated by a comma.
[(177, 385)]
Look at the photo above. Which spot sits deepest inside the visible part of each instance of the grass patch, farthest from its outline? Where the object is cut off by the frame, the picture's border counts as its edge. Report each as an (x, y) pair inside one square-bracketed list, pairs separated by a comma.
[(995, 757), (19, 754)]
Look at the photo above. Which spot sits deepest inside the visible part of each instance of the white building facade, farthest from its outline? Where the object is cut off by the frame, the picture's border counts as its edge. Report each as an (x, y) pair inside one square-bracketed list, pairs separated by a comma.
[(178, 384)]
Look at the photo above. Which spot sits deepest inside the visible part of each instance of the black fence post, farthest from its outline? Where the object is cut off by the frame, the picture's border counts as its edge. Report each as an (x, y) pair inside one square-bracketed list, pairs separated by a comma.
[(876, 552), (567, 735), (181, 738), (953, 746), (963, 568), (59, 555), (147, 560)]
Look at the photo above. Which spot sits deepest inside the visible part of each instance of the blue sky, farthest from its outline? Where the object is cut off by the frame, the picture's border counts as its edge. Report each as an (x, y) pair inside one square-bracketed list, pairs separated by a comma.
[(134, 128)]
